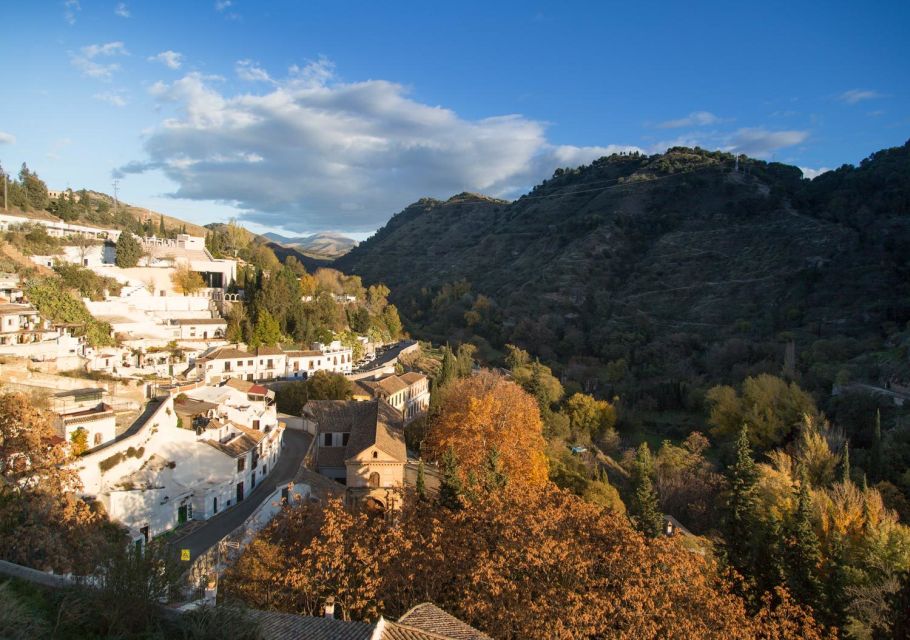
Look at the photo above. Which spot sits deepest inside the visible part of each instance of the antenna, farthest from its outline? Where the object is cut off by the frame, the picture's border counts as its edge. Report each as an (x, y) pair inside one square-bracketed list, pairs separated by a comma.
[(116, 184)]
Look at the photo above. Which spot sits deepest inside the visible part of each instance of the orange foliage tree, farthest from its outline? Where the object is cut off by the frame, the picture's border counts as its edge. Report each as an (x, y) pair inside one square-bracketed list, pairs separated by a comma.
[(486, 412), (514, 563), (43, 523)]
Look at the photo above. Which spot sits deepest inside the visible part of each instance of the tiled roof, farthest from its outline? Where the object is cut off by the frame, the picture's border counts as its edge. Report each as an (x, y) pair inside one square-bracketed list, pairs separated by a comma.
[(411, 377), (237, 446), (430, 618), (302, 354), (22, 309), (269, 351), (288, 626), (369, 423), (246, 386), (423, 622), (226, 353), (391, 384)]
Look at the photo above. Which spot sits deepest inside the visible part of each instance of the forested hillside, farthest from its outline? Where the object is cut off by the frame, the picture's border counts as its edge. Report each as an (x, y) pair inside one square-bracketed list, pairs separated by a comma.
[(657, 276)]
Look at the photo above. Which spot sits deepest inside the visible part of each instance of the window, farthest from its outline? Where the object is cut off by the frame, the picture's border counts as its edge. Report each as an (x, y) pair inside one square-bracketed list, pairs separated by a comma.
[(97, 439), (326, 439), (374, 478), (256, 425), (375, 454), (344, 439), (249, 363), (240, 363), (270, 364), (241, 464)]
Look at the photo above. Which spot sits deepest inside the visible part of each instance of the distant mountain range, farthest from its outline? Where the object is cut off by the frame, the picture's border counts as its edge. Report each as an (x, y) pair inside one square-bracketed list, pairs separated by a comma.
[(326, 246), (662, 271)]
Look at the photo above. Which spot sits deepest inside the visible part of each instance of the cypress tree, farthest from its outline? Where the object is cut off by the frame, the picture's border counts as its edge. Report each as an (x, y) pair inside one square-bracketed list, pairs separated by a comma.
[(804, 556), (494, 479), (162, 232), (742, 504), (449, 370), (451, 487), (845, 465), (876, 453), (421, 484), (644, 507)]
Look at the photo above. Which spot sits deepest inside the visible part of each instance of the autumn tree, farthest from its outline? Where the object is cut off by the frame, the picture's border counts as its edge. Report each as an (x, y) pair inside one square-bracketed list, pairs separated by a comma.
[(484, 411), (185, 280), (589, 417), (513, 563), (771, 407), (43, 523)]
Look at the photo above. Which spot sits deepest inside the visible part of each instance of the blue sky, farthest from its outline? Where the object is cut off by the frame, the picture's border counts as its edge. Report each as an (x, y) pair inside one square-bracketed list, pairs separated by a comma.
[(310, 116)]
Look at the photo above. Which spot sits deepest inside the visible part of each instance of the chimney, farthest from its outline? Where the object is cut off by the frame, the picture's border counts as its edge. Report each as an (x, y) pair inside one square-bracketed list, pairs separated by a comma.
[(330, 607)]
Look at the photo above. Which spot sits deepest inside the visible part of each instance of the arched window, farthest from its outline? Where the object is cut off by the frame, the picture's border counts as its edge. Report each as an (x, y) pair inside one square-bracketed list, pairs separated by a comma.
[(374, 480), (97, 439), (375, 454)]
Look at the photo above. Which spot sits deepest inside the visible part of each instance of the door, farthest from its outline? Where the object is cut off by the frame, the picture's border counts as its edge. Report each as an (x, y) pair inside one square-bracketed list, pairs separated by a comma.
[(215, 505), (239, 491), (181, 515)]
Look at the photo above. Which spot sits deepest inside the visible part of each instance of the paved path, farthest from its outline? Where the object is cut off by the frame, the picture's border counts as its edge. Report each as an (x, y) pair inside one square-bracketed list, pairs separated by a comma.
[(200, 539), (388, 357)]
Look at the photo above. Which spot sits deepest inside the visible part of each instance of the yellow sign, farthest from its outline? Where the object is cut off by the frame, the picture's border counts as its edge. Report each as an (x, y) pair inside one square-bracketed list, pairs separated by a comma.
[(185, 555)]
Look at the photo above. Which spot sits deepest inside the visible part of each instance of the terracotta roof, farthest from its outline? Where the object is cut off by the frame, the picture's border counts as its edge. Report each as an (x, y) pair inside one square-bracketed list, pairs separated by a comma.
[(430, 618), (371, 423), (411, 377), (239, 445), (269, 351), (302, 354), (21, 309), (246, 386), (289, 626), (423, 622), (391, 384), (226, 353)]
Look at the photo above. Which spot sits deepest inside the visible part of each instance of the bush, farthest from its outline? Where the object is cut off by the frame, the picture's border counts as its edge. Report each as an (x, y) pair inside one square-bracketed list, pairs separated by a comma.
[(109, 463)]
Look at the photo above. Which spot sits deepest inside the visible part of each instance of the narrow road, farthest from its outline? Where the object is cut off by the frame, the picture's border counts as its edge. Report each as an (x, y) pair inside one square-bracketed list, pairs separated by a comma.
[(214, 529), (387, 357)]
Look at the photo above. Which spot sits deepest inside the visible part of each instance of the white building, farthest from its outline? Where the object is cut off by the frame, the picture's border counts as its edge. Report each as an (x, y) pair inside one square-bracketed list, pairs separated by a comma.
[(10, 288), (83, 410), (200, 328), (201, 451), (217, 273), (271, 363), (56, 227), (408, 393)]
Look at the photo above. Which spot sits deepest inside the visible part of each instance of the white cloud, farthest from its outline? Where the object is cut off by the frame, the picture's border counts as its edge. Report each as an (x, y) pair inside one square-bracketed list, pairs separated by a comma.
[(115, 98), (70, 7), (86, 61), (812, 174), (312, 152), (858, 95), (251, 71), (170, 59), (694, 119), (222, 5), (761, 143), (7, 138), (122, 10)]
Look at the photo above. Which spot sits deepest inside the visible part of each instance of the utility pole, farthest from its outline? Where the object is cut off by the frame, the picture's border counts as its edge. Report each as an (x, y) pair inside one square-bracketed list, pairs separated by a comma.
[(5, 203), (116, 201)]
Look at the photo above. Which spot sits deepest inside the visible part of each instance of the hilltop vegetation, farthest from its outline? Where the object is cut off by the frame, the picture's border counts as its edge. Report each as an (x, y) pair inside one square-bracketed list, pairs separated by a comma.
[(656, 276)]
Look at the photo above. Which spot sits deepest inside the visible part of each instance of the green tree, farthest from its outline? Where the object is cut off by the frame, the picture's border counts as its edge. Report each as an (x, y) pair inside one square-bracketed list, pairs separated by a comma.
[(845, 464), (128, 251), (588, 417), (324, 385), (803, 556), (266, 332), (644, 507), (493, 477), (771, 407), (875, 454), (421, 483), (392, 321), (741, 519), (162, 231), (451, 488), (465, 359), (449, 369), (35, 188)]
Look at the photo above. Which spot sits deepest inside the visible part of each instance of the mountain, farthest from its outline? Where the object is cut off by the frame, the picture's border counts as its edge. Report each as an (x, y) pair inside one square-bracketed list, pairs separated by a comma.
[(654, 274), (325, 245)]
